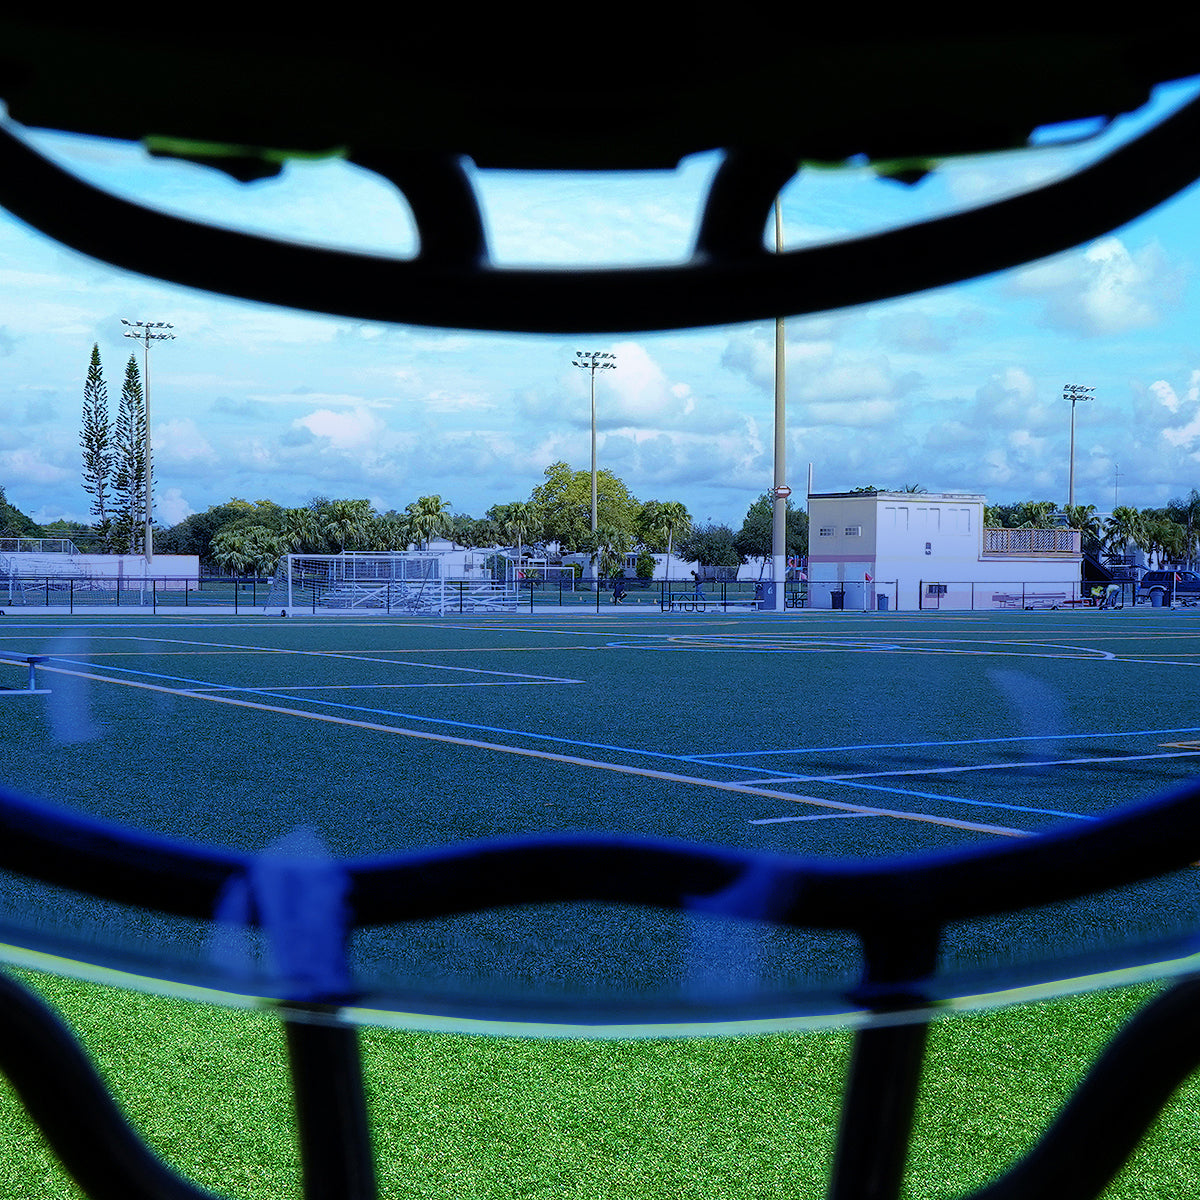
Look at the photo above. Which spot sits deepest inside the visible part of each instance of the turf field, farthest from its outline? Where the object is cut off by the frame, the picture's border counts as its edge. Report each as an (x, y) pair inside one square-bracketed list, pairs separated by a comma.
[(824, 734)]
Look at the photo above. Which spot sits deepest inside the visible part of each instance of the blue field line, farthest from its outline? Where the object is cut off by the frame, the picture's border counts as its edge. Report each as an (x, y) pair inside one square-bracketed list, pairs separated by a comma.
[(1038, 812), (200, 685), (992, 741)]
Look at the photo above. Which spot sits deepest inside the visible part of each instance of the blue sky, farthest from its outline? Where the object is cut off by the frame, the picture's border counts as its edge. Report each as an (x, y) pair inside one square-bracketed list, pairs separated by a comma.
[(957, 389)]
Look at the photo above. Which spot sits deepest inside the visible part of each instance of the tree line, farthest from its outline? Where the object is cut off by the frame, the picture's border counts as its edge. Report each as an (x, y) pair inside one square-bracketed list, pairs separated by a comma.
[(248, 538)]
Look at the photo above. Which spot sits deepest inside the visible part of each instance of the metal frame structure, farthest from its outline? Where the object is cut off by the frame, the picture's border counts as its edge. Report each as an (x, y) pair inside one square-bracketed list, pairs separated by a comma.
[(392, 581), (412, 115), (362, 579)]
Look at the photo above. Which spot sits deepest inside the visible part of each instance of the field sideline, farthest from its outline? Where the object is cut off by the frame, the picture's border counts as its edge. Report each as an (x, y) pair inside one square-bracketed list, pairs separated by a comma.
[(826, 735)]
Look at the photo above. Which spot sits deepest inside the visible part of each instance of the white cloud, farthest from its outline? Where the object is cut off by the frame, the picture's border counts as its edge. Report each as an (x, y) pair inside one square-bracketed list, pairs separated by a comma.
[(29, 464), (1104, 289), (170, 507), (850, 413), (180, 441), (1185, 433), (343, 430)]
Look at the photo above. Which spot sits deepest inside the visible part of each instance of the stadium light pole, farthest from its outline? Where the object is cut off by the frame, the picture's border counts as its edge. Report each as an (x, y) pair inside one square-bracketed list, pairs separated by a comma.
[(593, 361), (147, 332), (1074, 392), (780, 491)]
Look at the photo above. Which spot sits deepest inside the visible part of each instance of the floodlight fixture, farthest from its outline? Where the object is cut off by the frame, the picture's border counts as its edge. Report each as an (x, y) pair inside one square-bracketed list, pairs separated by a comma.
[(145, 332), (593, 361), (1074, 392)]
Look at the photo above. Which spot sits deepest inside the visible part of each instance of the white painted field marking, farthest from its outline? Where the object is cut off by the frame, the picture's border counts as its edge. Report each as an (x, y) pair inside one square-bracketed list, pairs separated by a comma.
[(547, 756), (1056, 762), (374, 687), (809, 817), (335, 654)]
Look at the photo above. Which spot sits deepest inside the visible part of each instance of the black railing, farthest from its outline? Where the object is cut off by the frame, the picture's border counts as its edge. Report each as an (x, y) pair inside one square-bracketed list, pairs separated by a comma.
[(84, 592)]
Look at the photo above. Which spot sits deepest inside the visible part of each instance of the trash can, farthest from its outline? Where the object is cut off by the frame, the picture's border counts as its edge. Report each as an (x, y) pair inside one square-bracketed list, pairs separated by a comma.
[(764, 593), (881, 603), (1156, 599), (837, 599)]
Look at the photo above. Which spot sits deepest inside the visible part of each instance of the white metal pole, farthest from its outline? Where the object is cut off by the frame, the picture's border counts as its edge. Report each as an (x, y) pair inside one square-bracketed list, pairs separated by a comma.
[(1074, 392), (593, 447), (779, 510), (142, 331), (148, 537), (593, 361)]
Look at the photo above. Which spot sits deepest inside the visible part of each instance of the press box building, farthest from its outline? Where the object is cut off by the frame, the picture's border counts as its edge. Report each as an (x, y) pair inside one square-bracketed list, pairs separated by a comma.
[(909, 551)]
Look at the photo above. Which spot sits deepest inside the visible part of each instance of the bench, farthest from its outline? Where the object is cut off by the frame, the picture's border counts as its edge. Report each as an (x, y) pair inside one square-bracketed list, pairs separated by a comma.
[(1031, 600), (1045, 599), (30, 660), (690, 602), (684, 602)]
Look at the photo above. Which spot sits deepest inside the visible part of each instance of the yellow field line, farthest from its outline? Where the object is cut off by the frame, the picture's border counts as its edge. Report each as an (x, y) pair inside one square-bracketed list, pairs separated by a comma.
[(548, 756)]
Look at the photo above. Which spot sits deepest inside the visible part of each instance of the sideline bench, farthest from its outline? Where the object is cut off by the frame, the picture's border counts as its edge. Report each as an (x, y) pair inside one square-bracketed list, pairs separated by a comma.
[(1045, 599), (31, 660), (690, 602), (1030, 600)]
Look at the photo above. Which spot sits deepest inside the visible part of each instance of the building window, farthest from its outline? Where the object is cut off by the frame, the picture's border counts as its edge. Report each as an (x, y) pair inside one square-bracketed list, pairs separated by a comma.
[(853, 530), (827, 531)]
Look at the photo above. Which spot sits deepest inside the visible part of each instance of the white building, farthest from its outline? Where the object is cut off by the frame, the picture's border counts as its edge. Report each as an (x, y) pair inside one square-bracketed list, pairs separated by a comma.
[(911, 551), (57, 558)]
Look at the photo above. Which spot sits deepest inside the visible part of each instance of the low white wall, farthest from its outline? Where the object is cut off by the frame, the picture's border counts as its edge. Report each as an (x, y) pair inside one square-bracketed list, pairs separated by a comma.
[(105, 566)]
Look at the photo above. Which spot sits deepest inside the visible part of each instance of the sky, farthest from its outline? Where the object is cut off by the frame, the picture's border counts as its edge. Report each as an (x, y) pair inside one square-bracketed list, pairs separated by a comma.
[(955, 389)]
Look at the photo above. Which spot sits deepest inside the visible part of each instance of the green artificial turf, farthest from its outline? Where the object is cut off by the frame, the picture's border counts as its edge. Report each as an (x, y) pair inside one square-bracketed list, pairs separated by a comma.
[(501, 1117), (892, 703)]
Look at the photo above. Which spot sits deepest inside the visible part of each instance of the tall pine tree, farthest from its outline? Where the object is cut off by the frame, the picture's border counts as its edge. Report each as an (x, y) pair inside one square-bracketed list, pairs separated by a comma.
[(129, 481), (95, 439)]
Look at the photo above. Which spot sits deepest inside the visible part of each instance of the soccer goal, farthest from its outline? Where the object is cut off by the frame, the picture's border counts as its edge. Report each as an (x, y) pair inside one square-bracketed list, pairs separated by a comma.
[(399, 581), (411, 581)]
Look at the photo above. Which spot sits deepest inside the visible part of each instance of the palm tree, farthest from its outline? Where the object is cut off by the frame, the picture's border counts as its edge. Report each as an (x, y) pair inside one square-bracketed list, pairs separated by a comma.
[(1083, 517), (672, 517), (427, 517), (1036, 514), (302, 531), (252, 549), (229, 551), (520, 520), (389, 532), (610, 547), (347, 521), (1124, 526), (1186, 512), (1161, 537)]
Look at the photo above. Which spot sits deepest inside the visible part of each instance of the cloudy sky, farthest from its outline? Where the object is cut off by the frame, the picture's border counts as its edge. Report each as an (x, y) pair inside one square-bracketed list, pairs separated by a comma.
[(957, 389)]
